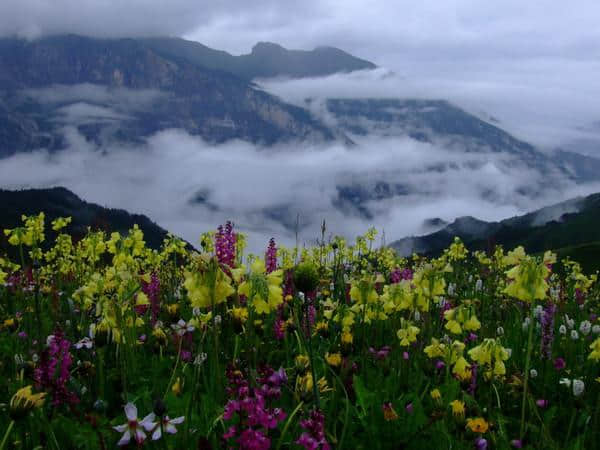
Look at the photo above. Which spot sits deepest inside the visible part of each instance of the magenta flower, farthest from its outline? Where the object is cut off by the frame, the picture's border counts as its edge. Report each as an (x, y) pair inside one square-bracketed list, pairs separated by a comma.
[(225, 240), (542, 403), (271, 256), (559, 364), (134, 429)]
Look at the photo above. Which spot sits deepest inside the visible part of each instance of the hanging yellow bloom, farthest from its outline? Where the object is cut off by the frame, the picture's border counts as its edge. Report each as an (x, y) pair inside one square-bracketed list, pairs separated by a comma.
[(528, 280), (263, 290), (595, 354), (407, 333), (333, 359), (207, 287)]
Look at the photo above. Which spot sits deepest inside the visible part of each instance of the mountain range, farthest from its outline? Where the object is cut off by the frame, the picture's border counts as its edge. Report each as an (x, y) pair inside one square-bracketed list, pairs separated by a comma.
[(569, 228), (117, 92)]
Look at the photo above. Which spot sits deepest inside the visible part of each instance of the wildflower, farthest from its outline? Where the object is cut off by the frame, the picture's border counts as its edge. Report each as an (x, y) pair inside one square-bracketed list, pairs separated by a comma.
[(389, 413), (516, 443), (347, 338), (435, 394), (333, 359), (477, 425), (177, 387), (481, 443), (527, 278), (562, 330), (500, 331), (547, 322), (458, 408), (181, 327), (271, 256), (23, 401), (559, 364), (225, 240), (574, 335), (596, 329), (542, 403), (134, 428), (168, 425), (314, 435), (595, 347), (578, 387), (533, 373), (585, 327), (492, 355), (407, 333), (207, 287), (85, 342), (262, 289)]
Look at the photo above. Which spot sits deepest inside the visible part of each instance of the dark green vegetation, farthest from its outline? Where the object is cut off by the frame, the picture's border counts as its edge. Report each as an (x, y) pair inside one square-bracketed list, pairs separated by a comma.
[(573, 231), (60, 202)]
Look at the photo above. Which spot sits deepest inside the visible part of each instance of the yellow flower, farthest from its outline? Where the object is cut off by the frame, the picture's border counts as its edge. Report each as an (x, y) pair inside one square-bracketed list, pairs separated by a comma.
[(177, 387), (333, 359), (477, 425), (458, 408), (407, 334), (24, 401), (595, 354), (240, 314), (389, 413), (435, 395), (302, 362), (462, 369), (208, 287), (262, 290), (528, 280), (61, 222), (347, 338)]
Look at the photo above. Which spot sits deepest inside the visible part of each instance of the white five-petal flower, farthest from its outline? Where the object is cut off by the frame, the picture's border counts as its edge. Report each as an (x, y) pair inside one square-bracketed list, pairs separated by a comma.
[(168, 425), (134, 428)]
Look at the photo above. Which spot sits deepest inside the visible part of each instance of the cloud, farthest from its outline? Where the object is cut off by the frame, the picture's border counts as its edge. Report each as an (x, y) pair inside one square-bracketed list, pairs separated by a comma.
[(263, 190), (544, 102)]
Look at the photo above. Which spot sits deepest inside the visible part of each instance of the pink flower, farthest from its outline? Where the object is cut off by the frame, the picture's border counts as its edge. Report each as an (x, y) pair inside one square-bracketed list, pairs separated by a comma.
[(134, 428)]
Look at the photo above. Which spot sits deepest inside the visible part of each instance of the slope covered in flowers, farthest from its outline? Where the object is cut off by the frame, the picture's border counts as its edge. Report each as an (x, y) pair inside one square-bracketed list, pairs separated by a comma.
[(104, 343)]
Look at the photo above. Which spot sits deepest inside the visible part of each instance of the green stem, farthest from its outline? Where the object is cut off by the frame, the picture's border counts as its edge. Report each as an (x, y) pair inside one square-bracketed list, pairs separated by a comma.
[(8, 430), (526, 374), (287, 424)]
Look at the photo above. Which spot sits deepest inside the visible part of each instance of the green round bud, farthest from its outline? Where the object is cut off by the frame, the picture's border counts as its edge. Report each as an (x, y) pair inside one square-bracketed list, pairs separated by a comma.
[(306, 277)]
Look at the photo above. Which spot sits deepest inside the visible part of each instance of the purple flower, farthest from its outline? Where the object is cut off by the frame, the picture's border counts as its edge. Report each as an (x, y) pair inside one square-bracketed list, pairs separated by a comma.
[(314, 435), (516, 443), (53, 371), (409, 408), (271, 256), (542, 403), (152, 291), (481, 443), (547, 322), (559, 364), (225, 240)]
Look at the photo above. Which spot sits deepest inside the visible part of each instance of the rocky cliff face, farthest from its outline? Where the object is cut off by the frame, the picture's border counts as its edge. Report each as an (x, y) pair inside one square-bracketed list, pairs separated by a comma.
[(213, 104)]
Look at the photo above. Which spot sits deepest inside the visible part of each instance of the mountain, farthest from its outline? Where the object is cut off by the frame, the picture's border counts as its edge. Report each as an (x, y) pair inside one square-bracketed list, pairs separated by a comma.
[(60, 202), (570, 228), (125, 90), (266, 59)]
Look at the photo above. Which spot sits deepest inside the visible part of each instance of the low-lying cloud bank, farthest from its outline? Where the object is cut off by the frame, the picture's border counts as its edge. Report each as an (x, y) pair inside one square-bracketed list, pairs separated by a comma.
[(189, 186)]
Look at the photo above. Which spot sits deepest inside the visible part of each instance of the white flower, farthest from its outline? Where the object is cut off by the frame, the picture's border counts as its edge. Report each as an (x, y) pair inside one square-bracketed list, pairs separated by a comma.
[(217, 319), (478, 285), (168, 425), (181, 327), (500, 331), (537, 312), (525, 324), (574, 335), (596, 329), (570, 322), (417, 316), (451, 289), (578, 387), (565, 382), (585, 327), (133, 428), (85, 342), (508, 352), (198, 360), (533, 373), (562, 329)]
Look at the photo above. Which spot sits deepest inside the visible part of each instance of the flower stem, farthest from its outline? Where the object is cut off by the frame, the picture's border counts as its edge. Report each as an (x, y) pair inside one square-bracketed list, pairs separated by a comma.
[(526, 374), (8, 430)]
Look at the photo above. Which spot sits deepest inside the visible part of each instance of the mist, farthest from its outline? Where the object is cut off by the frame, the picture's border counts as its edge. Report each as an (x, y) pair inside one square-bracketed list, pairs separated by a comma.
[(189, 186)]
